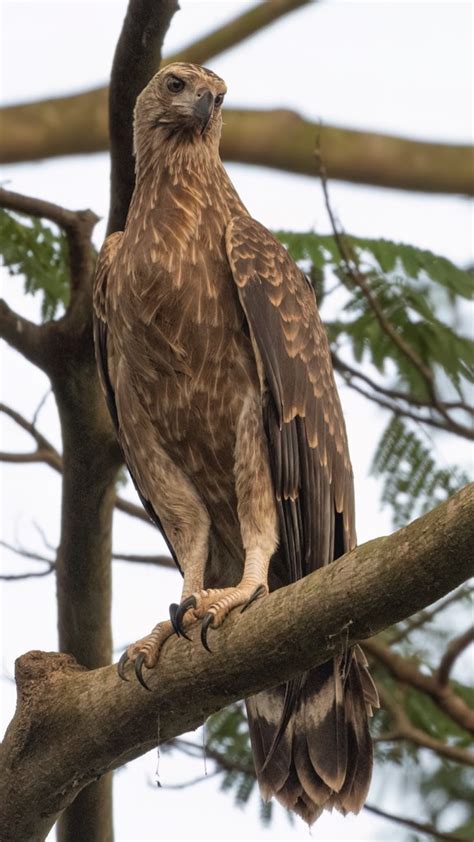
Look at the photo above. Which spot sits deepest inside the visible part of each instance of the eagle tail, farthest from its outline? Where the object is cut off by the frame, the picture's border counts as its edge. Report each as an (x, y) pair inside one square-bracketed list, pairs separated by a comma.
[(323, 757)]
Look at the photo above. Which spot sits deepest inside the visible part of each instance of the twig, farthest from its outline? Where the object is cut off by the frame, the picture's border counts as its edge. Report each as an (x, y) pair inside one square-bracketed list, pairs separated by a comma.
[(348, 371), (454, 649), (359, 279), (40, 407), (4, 577), (199, 780), (153, 560), (421, 827), (45, 452), (48, 454), (397, 410)]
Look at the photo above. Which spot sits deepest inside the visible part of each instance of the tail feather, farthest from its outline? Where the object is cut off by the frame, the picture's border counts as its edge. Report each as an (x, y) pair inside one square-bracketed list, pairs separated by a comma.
[(323, 759)]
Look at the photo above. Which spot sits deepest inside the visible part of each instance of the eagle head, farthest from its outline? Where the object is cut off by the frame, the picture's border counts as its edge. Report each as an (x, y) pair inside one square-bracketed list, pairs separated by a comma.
[(181, 101)]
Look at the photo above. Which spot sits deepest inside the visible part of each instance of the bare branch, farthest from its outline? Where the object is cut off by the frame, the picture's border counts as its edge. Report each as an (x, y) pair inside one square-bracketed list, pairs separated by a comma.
[(49, 455), (453, 651), (348, 371), (29, 554), (153, 560), (45, 451), (398, 410), (420, 827), (365, 591), (407, 673)]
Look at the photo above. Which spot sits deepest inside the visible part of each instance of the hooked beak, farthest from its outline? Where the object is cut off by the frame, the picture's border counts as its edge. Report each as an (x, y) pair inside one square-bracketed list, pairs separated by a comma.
[(203, 108)]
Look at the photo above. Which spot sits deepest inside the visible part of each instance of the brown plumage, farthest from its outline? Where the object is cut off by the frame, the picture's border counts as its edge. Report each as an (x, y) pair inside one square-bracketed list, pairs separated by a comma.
[(218, 377)]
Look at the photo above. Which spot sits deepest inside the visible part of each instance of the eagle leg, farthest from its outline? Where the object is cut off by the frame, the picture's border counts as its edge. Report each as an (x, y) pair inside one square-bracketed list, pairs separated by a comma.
[(145, 652), (213, 605)]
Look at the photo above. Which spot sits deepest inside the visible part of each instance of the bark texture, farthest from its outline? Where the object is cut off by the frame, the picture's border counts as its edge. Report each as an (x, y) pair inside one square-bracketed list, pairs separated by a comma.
[(80, 724)]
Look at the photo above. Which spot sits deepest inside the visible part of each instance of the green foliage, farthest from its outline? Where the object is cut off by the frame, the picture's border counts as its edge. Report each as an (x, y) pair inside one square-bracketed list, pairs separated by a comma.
[(33, 249), (227, 736), (411, 287), (413, 482)]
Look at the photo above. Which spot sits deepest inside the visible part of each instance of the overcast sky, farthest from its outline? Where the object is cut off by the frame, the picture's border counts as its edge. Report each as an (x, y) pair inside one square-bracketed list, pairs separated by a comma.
[(396, 67)]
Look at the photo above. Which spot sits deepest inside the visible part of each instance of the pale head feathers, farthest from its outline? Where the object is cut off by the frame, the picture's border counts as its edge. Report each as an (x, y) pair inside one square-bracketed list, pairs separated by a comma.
[(180, 109)]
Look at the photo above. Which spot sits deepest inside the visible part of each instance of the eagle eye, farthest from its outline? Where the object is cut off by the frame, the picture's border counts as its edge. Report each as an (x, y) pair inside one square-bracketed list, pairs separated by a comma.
[(219, 100), (175, 84)]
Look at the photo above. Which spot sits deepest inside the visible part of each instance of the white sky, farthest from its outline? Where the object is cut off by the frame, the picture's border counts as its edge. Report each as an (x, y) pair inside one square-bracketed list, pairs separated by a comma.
[(401, 67)]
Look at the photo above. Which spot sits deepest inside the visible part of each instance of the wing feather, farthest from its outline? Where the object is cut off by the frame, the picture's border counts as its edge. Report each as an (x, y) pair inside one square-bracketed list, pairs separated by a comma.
[(311, 470)]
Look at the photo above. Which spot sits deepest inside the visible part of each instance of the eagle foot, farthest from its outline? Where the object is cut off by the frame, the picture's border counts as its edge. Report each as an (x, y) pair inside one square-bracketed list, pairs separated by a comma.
[(212, 607), (145, 652)]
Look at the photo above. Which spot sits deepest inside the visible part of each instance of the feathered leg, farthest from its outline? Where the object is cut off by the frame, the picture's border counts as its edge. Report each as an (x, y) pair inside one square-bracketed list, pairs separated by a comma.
[(186, 524)]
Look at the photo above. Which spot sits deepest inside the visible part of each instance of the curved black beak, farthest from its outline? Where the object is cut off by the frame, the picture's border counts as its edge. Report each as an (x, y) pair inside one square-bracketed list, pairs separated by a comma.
[(203, 108)]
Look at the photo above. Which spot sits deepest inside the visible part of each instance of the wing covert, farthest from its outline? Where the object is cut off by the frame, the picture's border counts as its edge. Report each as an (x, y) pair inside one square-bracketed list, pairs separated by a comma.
[(311, 470)]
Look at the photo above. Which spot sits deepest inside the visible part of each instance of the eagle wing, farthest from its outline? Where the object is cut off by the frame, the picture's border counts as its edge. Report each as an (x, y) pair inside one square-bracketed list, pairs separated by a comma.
[(101, 342), (309, 457)]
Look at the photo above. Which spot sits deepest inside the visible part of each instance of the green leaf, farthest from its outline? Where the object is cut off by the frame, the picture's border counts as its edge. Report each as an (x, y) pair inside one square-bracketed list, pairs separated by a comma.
[(31, 248)]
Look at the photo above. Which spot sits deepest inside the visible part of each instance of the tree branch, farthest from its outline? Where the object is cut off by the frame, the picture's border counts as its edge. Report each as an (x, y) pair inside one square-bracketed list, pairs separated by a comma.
[(453, 651), (424, 617), (137, 58), (404, 730), (280, 139), (295, 628), (24, 336), (348, 372), (420, 827), (359, 279), (407, 673)]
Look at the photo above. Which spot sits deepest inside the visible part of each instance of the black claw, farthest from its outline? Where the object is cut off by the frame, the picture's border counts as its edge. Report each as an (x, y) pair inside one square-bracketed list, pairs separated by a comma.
[(188, 603), (138, 670), (259, 591), (173, 611), (206, 622), (121, 666)]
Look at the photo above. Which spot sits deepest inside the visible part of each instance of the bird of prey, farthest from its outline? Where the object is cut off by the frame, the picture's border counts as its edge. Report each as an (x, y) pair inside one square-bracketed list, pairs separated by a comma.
[(218, 377)]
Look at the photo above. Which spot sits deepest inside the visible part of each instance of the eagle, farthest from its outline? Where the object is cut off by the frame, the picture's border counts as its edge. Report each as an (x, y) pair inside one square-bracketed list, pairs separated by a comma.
[(217, 373)]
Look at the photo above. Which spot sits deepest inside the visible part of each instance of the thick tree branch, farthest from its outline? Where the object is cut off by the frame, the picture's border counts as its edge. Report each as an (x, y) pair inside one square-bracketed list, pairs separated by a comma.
[(137, 58), (280, 139), (81, 724), (24, 336)]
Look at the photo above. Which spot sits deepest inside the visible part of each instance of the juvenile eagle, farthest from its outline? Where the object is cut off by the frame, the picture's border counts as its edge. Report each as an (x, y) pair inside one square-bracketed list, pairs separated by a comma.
[(218, 376)]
